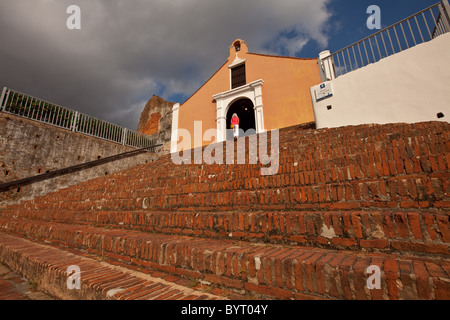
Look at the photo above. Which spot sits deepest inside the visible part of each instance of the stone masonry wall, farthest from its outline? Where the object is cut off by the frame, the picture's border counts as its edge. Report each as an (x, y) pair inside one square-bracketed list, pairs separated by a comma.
[(29, 148)]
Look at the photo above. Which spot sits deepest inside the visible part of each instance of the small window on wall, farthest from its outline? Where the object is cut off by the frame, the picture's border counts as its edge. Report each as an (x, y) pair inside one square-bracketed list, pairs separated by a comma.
[(238, 76)]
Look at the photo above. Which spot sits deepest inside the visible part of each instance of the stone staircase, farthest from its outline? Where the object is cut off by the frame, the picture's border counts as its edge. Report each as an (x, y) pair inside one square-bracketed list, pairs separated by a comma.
[(342, 200)]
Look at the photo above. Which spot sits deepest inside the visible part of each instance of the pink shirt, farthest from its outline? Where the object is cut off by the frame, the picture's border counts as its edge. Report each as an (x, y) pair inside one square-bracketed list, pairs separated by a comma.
[(235, 121)]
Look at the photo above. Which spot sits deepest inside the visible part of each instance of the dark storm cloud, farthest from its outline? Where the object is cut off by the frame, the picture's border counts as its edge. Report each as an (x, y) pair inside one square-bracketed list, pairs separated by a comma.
[(129, 50)]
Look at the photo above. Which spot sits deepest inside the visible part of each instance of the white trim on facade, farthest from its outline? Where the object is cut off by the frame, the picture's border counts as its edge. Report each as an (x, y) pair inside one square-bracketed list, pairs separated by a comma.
[(251, 91), (236, 62), (174, 138)]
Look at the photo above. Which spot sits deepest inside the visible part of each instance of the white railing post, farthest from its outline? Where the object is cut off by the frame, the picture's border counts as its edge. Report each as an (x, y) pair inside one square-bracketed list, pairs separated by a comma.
[(2, 97), (445, 14), (174, 137), (326, 66), (73, 125), (124, 136)]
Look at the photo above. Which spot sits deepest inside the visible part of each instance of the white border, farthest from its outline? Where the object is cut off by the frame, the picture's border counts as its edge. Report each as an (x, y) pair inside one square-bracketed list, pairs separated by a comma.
[(251, 91)]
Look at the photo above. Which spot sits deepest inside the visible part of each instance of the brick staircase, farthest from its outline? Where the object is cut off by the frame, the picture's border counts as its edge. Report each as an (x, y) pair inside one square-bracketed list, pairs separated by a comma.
[(343, 199)]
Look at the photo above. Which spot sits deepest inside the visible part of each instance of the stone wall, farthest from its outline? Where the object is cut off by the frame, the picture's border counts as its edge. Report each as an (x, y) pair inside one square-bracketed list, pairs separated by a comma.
[(29, 148), (156, 120)]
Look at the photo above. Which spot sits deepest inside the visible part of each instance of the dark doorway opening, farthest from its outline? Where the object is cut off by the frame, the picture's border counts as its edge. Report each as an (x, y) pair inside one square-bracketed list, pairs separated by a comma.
[(244, 110)]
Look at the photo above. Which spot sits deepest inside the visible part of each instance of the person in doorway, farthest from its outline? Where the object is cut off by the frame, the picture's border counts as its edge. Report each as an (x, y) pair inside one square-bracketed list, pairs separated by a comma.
[(235, 126)]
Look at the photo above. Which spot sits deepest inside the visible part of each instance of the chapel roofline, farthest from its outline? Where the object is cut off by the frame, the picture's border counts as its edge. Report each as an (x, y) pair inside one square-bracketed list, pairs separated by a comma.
[(233, 52)]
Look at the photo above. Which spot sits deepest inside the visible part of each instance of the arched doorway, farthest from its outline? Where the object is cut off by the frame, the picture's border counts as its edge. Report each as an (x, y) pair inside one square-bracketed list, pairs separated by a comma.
[(245, 111)]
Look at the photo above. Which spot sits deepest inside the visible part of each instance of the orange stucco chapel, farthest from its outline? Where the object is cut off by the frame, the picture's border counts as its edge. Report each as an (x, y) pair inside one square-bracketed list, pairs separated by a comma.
[(267, 92)]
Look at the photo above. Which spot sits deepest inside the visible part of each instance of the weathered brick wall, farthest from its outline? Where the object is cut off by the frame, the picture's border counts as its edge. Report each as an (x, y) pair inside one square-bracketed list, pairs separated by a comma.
[(29, 148), (343, 199), (376, 188)]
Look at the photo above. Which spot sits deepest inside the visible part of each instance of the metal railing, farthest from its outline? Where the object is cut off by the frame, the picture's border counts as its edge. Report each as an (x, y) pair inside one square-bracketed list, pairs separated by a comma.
[(418, 28), (29, 107)]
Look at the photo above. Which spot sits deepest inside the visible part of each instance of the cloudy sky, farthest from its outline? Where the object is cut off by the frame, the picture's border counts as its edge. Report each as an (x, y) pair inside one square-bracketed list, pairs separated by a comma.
[(128, 50)]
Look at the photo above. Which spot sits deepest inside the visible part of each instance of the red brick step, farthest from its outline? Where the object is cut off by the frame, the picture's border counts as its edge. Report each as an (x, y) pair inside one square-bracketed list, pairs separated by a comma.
[(424, 232), (47, 266), (284, 272)]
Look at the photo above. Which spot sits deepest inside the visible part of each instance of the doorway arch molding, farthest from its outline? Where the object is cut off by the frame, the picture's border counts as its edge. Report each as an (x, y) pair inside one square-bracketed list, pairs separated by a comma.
[(251, 91)]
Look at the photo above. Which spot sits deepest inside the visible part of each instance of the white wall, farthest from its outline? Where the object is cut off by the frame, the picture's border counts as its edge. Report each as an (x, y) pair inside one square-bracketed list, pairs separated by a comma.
[(411, 86)]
